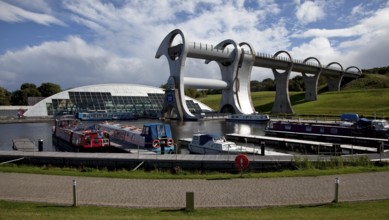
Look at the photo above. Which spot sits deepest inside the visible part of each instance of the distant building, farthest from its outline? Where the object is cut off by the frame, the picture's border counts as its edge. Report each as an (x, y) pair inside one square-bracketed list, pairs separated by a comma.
[(33, 100), (12, 111), (144, 101)]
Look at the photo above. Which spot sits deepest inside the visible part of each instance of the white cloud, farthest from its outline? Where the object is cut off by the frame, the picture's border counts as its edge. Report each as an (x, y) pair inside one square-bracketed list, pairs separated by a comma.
[(357, 10), (320, 48), (122, 38), (369, 25), (136, 30), (68, 63), (11, 13), (309, 12)]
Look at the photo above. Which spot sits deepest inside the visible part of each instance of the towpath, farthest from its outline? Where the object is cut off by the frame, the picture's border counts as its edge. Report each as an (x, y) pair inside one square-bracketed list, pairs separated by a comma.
[(207, 193)]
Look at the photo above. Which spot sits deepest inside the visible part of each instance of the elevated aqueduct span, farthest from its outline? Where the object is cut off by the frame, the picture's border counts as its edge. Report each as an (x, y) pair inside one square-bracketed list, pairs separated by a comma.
[(235, 67)]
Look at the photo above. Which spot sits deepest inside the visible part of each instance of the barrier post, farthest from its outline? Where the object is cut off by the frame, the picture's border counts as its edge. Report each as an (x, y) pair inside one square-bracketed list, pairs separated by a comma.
[(336, 199), (162, 149), (189, 201), (74, 194)]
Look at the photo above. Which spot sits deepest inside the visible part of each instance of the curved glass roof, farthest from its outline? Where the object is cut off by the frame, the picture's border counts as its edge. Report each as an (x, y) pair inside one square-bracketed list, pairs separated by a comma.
[(139, 99)]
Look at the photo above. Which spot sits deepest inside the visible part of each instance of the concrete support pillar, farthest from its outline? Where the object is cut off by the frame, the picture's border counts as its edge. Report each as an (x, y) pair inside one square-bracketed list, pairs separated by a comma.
[(282, 104), (335, 82), (244, 76), (176, 56), (237, 72), (311, 82), (170, 107)]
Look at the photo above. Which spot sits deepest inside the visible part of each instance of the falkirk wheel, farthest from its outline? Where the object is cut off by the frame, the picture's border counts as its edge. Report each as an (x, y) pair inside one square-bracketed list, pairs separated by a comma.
[(235, 67)]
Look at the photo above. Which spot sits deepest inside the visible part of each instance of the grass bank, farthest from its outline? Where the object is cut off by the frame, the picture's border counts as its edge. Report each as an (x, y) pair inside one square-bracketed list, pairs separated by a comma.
[(303, 167), (370, 103), (356, 210)]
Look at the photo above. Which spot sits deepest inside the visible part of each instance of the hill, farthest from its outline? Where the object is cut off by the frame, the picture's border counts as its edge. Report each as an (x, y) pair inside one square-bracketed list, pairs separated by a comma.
[(370, 103), (368, 81)]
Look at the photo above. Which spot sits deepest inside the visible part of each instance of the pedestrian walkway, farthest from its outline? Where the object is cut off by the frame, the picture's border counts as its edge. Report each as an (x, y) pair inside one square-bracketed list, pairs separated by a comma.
[(207, 193)]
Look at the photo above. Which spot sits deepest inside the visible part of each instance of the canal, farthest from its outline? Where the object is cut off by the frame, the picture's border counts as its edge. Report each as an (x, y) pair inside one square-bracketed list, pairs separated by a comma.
[(43, 130)]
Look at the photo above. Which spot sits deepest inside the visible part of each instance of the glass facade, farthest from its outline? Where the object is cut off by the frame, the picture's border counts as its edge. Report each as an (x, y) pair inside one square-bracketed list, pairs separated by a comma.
[(142, 106)]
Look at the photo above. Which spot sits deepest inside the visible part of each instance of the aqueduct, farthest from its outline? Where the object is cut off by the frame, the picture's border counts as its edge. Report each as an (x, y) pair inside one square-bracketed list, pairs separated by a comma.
[(235, 67)]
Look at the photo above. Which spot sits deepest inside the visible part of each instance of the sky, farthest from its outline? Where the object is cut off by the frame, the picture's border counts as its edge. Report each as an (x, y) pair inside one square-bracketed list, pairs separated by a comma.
[(75, 43)]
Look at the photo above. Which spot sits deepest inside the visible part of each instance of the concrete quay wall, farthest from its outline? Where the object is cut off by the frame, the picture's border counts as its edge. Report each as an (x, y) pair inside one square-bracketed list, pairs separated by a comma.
[(147, 162)]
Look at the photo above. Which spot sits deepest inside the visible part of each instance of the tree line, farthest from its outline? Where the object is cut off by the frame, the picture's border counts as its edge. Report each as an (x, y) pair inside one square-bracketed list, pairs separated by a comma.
[(20, 96)]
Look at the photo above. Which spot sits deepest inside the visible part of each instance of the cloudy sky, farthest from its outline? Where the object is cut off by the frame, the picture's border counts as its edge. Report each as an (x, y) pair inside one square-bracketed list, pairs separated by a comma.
[(74, 43)]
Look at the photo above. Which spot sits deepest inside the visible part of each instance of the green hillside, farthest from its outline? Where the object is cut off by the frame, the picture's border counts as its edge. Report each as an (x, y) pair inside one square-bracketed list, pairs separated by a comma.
[(368, 81), (370, 103)]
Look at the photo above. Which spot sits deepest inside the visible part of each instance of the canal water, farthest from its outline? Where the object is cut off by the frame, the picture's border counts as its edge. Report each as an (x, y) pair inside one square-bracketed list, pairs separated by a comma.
[(37, 131)]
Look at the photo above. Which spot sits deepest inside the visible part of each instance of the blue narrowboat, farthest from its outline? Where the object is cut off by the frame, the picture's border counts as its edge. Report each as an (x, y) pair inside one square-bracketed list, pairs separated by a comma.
[(156, 137)]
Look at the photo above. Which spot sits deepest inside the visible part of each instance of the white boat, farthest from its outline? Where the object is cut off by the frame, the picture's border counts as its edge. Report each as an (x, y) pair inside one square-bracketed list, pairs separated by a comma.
[(216, 144), (248, 118)]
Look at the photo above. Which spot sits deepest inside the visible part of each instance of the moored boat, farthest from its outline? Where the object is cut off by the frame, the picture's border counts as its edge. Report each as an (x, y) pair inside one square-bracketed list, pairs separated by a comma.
[(217, 144), (74, 133), (248, 118), (362, 132), (102, 116), (156, 137)]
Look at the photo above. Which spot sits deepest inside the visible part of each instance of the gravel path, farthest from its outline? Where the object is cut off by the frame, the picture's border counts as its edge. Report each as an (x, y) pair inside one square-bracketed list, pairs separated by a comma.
[(207, 193)]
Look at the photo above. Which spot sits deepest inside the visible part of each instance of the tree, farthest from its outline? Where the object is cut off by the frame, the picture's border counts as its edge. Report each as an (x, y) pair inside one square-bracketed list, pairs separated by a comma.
[(27, 86), (30, 89), (268, 85), (5, 97), (255, 86), (296, 84), (49, 89), (19, 97)]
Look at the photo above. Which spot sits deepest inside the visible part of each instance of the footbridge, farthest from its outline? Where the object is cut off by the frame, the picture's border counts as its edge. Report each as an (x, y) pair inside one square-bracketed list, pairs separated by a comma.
[(236, 61)]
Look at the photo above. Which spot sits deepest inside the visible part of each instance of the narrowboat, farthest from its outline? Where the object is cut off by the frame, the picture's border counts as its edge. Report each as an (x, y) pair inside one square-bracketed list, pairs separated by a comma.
[(363, 132), (155, 137), (252, 118), (74, 133), (102, 116)]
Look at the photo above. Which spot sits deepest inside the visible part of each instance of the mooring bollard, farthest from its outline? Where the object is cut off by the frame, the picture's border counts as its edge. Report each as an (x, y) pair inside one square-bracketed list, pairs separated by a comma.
[(262, 148), (40, 145), (336, 199), (189, 201), (74, 194)]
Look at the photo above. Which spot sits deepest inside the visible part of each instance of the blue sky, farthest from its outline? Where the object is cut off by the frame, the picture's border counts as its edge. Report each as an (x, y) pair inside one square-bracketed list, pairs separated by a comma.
[(74, 43)]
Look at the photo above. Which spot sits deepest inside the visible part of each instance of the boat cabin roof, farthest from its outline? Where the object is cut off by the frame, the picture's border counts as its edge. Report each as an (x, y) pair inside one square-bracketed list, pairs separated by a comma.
[(204, 138)]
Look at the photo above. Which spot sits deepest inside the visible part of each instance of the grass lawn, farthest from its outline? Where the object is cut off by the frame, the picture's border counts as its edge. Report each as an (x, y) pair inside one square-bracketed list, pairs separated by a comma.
[(355, 210), (307, 169)]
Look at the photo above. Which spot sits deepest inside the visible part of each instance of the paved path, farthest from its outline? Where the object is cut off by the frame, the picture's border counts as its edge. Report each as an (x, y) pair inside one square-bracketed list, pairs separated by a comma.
[(208, 193)]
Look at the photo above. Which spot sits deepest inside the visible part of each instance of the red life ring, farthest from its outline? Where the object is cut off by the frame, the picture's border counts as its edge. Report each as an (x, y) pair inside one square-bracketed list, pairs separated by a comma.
[(156, 143), (170, 142), (241, 161)]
